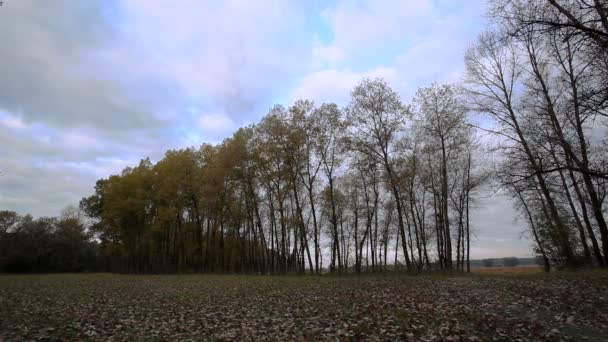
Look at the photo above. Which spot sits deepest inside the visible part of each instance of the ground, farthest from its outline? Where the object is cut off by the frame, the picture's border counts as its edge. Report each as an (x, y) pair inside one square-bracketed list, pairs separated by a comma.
[(519, 270), (211, 307)]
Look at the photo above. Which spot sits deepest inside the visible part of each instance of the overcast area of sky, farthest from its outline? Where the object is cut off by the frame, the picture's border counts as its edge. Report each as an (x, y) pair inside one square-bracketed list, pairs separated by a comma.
[(90, 87)]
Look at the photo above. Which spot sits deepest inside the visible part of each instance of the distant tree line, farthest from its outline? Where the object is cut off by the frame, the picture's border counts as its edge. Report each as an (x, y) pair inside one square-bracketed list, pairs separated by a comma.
[(506, 262), (47, 244)]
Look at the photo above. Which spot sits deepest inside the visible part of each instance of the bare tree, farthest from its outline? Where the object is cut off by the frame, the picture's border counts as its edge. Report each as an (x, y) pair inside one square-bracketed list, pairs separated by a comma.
[(377, 118)]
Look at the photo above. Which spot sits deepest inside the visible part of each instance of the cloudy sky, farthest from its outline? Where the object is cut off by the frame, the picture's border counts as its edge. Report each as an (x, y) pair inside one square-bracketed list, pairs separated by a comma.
[(89, 87)]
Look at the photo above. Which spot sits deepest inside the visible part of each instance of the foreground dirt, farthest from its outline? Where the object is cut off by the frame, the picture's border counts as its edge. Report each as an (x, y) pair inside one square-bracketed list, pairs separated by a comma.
[(473, 308)]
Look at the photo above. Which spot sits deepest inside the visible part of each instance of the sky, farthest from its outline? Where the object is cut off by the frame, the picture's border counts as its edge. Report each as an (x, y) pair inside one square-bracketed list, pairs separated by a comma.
[(90, 87)]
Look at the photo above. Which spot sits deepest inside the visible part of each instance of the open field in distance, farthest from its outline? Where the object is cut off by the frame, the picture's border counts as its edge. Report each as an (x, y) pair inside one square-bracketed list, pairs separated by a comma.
[(519, 270), (230, 307)]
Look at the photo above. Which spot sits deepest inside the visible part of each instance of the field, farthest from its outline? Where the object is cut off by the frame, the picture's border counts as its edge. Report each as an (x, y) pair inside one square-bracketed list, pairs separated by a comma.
[(194, 307), (520, 270)]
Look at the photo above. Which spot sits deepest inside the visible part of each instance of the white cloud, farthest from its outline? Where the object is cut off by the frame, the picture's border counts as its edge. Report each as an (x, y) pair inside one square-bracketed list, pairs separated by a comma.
[(415, 43), (11, 121), (227, 56), (360, 26), (216, 125), (326, 54), (336, 85)]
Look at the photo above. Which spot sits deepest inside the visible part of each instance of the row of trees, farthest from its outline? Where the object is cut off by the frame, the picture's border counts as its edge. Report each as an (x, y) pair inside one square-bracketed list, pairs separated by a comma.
[(377, 183), (506, 262), (47, 244), (542, 74)]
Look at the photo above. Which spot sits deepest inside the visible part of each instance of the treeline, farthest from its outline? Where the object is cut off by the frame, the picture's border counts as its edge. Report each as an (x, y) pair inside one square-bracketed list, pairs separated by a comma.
[(376, 183), (542, 74), (506, 262), (48, 244)]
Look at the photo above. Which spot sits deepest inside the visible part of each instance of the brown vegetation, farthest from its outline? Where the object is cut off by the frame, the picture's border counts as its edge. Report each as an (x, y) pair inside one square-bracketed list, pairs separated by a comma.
[(519, 270)]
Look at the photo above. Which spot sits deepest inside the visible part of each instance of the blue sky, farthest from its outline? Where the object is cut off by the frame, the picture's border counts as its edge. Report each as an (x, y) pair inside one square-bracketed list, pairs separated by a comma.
[(90, 87)]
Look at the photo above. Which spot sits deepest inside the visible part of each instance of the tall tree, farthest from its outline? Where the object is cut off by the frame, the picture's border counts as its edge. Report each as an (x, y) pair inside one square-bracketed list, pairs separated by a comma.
[(377, 118)]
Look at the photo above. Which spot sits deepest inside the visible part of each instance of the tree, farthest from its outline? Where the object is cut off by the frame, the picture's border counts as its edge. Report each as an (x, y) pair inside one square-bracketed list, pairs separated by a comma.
[(47, 244), (510, 261), (377, 118), (541, 74), (329, 126), (493, 74), (8, 219), (443, 119)]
